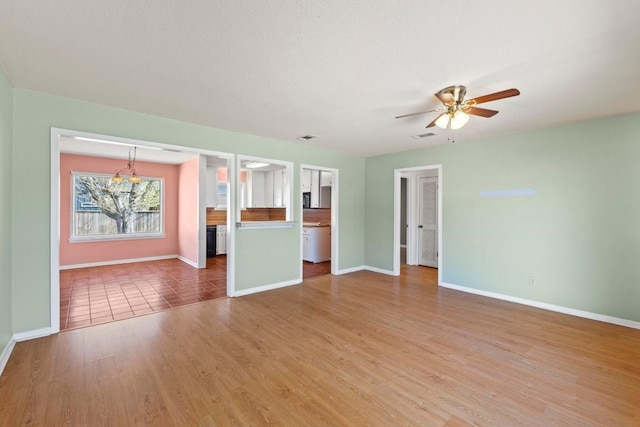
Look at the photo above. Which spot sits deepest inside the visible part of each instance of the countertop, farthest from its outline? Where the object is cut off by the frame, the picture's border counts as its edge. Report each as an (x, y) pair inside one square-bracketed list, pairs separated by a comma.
[(314, 224)]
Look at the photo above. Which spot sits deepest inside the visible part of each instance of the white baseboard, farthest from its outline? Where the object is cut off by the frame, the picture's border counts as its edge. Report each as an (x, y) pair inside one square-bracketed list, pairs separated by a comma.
[(379, 270), (349, 270), (6, 353), (117, 261), (187, 261), (266, 288), (29, 335), (21, 336), (545, 306)]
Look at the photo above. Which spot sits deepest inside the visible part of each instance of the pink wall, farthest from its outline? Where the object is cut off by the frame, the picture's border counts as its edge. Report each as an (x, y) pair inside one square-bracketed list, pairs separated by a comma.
[(188, 209), (89, 252)]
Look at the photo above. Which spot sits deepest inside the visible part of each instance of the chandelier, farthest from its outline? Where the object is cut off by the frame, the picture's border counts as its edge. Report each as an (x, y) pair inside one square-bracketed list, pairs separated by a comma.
[(129, 169)]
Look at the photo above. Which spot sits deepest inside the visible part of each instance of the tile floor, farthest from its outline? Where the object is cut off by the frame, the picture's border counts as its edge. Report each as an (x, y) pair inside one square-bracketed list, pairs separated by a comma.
[(93, 295)]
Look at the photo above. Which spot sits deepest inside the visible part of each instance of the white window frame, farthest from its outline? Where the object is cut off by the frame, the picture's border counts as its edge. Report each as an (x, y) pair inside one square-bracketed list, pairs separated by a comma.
[(108, 237)]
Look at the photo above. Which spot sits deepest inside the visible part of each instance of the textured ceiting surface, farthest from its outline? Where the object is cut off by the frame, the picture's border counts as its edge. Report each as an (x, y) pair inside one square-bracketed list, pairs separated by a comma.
[(339, 70)]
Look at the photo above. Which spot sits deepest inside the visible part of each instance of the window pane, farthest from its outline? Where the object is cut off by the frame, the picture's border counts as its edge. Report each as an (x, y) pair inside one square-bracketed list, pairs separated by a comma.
[(103, 207)]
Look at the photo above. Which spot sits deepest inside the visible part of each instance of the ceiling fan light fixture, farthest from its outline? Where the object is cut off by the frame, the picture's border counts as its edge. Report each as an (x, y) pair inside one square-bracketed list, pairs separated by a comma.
[(443, 121), (459, 119)]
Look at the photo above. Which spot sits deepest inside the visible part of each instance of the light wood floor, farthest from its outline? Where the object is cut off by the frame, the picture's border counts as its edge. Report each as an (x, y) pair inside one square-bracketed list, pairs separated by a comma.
[(358, 349)]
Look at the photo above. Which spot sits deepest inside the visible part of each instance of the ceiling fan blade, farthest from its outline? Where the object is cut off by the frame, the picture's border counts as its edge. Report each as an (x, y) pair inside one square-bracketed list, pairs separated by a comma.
[(483, 112), (493, 96), (446, 98), (416, 114), (433, 123)]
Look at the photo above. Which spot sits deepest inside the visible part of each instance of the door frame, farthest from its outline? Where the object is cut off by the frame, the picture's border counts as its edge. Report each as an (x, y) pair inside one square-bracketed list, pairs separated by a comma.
[(54, 239), (412, 206), (335, 192)]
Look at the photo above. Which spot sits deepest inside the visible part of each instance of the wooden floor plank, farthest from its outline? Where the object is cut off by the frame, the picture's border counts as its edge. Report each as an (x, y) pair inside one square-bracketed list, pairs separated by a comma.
[(357, 349)]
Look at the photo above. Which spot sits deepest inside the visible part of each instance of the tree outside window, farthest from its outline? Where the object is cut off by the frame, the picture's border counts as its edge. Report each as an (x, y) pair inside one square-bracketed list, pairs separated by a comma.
[(104, 209)]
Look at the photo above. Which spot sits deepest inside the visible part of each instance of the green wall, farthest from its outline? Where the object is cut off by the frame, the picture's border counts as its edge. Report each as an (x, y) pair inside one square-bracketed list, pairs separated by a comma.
[(263, 256), (6, 137), (579, 236)]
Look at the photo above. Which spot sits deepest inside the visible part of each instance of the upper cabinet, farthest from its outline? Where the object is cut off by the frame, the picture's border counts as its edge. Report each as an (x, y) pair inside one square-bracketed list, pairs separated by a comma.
[(315, 188), (318, 184), (266, 184), (305, 181), (326, 178), (268, 189)]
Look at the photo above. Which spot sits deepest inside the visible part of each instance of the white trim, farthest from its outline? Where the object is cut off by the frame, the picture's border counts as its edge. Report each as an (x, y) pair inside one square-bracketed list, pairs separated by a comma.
[(201, 255), (6, 353), (266, 224), (264, 288), (188, 261), (232, 199), (30, 335), (54, 229), (118, 261), (54, 270), (545, 306), (350, 270), (381, 270)]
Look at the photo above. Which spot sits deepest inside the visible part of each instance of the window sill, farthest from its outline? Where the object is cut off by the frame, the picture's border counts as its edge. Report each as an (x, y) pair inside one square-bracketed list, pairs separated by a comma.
[(115, 237), (265, 224)]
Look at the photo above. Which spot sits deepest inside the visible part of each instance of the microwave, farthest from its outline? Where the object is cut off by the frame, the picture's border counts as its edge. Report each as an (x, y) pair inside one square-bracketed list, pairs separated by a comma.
[(306, 200)]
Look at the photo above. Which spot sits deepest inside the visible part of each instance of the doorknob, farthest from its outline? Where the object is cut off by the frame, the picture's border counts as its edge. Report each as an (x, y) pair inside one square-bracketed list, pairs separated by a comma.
[(420, 226)]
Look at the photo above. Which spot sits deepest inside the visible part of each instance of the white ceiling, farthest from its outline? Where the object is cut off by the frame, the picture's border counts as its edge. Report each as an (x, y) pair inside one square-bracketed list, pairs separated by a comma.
[(341, 70), (117, 150)]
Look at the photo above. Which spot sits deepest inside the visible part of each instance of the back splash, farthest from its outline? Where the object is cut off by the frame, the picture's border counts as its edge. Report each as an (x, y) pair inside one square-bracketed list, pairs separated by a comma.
[(219, 216), (323, 216)]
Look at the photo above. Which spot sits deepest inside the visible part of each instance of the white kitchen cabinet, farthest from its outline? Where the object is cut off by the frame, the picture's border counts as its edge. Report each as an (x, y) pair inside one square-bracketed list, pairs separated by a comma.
[(278, 188), (315, 188), (221, 239), (316, 244), (305, 181), (269, 189), (258, 187), (211, 187), (326, 178)]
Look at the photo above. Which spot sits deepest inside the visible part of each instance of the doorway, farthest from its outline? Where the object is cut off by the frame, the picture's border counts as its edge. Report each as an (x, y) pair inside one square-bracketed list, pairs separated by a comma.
[(94, 145), (319, 234), (417, 218)]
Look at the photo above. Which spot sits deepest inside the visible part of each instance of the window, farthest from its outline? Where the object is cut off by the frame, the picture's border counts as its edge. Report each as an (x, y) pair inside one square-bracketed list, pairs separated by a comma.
[(103, 209), (264, 189)]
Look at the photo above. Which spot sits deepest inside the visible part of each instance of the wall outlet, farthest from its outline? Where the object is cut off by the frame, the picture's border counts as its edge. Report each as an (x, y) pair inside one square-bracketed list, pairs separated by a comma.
[(532, 281)]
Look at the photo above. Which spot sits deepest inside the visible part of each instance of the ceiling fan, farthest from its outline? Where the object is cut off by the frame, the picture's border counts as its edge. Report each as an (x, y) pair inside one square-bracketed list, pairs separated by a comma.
[(455, 110)]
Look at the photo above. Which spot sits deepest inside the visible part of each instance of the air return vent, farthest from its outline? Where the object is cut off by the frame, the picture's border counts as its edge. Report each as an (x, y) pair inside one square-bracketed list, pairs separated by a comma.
[(424, 135)]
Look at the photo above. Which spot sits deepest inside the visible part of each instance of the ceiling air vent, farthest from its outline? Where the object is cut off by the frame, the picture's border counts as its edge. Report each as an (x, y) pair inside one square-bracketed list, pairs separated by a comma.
[(306, 137), (424, 135)]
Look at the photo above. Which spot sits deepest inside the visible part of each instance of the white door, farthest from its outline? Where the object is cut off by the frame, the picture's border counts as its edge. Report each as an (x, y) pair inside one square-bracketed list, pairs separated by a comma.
[(428, 221)]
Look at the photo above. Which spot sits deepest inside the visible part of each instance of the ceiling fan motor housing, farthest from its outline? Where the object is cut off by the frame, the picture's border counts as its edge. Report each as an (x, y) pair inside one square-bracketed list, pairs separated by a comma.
[(452, 94)]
